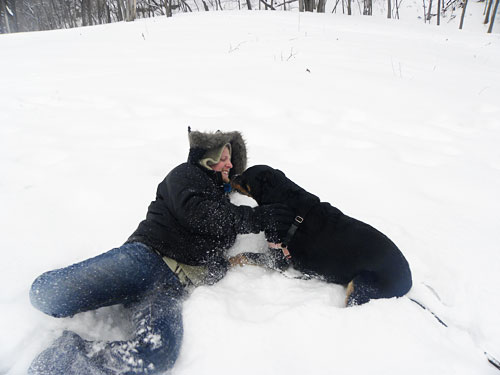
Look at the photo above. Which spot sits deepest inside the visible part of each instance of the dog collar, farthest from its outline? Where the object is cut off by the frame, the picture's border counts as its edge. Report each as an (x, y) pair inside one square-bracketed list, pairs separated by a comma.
[(299, 219), (291, 231)]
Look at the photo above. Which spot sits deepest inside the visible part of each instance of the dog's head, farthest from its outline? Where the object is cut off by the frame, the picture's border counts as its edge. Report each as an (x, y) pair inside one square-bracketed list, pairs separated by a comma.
[(262, 183)]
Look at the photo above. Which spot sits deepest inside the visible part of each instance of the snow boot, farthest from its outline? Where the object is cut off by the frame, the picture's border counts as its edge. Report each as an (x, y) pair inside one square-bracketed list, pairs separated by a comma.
[(68, 355)]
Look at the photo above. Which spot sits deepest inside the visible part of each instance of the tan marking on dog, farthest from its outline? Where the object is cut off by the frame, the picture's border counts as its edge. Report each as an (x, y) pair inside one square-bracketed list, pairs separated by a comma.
[(241, 189), (350, 289)]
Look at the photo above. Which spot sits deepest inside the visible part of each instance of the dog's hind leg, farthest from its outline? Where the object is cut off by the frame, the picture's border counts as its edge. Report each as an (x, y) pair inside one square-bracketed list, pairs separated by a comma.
[(349, 290), (369, 285), (361, 290)]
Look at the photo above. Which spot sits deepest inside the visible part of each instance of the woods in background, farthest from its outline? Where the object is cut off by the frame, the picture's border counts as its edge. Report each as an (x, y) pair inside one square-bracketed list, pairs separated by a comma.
[(37, 15)]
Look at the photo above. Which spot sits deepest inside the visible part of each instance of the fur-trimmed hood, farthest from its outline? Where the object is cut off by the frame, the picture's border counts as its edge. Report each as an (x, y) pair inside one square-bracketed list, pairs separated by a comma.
[(200, 143)]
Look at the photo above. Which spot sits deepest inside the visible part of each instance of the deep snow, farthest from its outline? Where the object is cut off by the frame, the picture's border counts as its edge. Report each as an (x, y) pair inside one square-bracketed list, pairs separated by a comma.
[(394, 122)]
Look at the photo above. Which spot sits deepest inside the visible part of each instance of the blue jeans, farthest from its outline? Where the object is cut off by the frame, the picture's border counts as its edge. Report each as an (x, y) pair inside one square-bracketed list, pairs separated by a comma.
[(132, 274)]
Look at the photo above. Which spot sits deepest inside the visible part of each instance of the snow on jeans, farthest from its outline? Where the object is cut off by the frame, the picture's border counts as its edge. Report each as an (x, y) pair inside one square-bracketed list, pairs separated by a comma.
[(132, 274)]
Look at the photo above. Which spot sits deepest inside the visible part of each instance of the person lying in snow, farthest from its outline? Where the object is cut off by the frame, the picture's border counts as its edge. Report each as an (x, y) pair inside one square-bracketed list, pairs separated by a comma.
[(180, 243)]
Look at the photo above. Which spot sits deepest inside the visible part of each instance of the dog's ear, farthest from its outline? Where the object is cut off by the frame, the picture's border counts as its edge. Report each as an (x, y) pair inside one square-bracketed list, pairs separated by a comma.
[(272, 178), (263, 186)]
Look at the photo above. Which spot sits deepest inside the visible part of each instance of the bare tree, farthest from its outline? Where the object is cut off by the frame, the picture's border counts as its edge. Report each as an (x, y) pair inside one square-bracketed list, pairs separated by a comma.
[(396, 6), (100, 11), (26, 15), (4, 20), (321, 6), (335, 7), (8, 16), (367, 7), (490, 28), (463, 14), (13, 8), (306, 5), (86, 11), (68, 14), (120, 10), (131, 10), (439, 13), (488, 10)]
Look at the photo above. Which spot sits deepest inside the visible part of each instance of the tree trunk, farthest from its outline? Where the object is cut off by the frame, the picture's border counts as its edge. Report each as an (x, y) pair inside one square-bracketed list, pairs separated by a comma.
[(334, 10), (131, 10), (49, 25), (100, 12), (249, 4), (488, 10), (4, 20), (490, 29), (85, 21), (429, 15), (8, 14), (321, 6), (13, 25), (68, 14), (89, 12), (108, 12), (119, 13), (389, 9), (463, 15), (57, 14), (24, 23), (367, 7), (349, 12), (168, 8), (439, 13)]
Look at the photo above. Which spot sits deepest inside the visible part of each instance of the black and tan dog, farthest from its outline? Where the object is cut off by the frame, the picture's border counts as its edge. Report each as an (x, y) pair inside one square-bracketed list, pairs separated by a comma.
[(324, 241)]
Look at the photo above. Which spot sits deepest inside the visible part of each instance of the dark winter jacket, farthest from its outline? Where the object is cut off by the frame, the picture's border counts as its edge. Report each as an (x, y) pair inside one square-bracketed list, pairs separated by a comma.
[(191, 220)]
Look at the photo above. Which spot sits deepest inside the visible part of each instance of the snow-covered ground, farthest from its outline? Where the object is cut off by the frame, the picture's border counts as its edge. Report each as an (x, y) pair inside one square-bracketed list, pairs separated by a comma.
[(396, 123)]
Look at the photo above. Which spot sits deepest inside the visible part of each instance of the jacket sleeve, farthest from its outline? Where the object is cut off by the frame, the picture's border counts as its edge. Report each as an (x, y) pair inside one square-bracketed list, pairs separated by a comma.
[(196, 207)]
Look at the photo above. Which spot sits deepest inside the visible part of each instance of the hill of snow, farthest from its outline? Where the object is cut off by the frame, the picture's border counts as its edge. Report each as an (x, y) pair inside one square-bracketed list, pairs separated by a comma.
[(393, 122)]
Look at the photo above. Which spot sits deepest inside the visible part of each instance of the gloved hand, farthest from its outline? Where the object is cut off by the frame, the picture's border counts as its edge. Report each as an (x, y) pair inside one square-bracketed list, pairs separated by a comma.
[(274, 220)]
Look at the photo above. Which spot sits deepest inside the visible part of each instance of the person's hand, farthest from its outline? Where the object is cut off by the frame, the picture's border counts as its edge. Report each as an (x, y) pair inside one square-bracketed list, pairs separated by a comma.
[(274, 220)]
